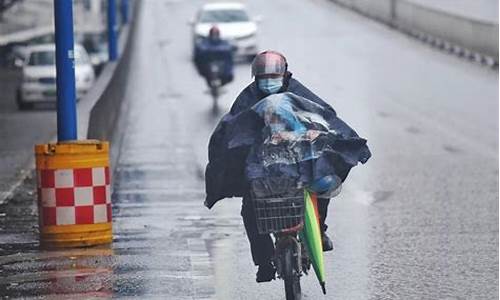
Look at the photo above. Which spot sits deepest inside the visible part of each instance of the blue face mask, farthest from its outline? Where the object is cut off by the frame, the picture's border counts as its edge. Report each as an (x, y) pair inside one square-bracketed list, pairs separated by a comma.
[(270, 85)]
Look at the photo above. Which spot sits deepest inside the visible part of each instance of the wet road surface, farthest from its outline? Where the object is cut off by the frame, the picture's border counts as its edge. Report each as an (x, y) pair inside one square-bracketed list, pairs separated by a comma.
[(418, 221), (19, 131)]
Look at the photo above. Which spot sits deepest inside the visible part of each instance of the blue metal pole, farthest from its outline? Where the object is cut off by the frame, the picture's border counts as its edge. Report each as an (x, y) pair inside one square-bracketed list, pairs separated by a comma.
[(65, 66), (124, 9), (112, 34)]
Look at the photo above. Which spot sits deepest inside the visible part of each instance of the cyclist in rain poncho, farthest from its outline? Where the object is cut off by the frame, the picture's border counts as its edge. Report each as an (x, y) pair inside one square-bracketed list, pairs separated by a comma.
[(227, 172), (214, 49)]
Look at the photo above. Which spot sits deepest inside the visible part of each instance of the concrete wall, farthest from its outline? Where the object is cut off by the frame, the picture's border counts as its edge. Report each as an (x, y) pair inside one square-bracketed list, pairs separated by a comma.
[(475, 35), (472, 34), (378, 9)]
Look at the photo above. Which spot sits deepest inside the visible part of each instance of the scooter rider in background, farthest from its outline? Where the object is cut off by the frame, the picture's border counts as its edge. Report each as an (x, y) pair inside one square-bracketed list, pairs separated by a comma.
[(214, 49), (270, 70)]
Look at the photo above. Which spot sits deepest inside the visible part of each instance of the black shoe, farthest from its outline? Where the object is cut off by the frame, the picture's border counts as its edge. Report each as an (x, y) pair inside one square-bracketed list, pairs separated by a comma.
[(266, 273), (327, 242)]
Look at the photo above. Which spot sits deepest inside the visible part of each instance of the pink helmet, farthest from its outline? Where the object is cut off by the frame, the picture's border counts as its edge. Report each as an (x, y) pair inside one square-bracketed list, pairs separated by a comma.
[(269, 63)]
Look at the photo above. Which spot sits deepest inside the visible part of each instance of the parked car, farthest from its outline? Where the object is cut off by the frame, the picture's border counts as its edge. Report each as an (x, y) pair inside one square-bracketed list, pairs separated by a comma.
[(39, 75), (234, 23), (17, 51)]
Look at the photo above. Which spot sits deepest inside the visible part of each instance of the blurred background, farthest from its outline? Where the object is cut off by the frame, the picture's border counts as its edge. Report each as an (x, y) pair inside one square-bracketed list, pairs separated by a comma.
[(417, 78)]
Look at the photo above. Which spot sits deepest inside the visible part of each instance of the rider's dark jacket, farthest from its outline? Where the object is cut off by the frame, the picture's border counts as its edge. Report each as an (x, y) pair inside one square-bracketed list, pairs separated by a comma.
[(225, 172)]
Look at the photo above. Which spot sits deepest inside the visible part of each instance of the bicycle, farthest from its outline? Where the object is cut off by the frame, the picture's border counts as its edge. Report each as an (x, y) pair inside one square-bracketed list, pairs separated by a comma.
[(283, 217)]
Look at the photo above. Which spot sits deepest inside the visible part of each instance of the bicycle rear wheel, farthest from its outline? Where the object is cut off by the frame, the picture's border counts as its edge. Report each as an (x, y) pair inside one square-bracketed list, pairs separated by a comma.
[(290, 275)]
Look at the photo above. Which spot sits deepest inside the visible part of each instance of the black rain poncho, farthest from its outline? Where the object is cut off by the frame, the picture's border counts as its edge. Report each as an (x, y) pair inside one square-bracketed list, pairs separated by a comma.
[(281, 136)]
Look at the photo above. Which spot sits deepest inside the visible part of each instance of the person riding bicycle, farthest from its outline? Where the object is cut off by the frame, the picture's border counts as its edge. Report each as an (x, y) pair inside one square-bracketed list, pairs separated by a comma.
[(214, 49), (225, 173), (270, 71)]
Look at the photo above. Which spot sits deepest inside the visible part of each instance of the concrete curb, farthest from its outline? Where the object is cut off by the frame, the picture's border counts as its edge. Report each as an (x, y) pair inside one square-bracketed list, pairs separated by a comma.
[(104, 119), (468, 38)]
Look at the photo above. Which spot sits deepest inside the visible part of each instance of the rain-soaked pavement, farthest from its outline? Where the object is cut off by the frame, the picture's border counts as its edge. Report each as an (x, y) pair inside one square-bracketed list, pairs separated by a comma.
[(418, 221)]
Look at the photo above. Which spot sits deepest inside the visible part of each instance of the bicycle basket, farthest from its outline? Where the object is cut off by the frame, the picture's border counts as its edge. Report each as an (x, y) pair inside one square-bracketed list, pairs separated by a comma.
[(275, 215)]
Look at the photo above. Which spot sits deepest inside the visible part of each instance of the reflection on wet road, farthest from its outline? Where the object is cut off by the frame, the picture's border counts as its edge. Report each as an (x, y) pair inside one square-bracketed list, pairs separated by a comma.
[(419, 221)]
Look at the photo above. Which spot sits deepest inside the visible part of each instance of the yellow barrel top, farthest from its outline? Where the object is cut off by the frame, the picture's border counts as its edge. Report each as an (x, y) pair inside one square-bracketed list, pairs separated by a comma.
[(72, 147), (72, 154)]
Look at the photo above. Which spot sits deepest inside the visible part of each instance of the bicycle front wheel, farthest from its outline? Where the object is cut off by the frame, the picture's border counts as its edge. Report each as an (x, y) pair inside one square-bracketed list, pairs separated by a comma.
[(291, 276)]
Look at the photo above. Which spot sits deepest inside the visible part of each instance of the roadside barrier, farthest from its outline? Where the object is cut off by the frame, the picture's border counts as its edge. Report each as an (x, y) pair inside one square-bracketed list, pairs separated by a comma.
[(74, 194), (106, 107)]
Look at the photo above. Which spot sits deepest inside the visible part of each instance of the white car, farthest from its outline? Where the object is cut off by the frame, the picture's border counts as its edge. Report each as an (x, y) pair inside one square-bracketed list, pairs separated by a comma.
[(39, 75), (234, 24)]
